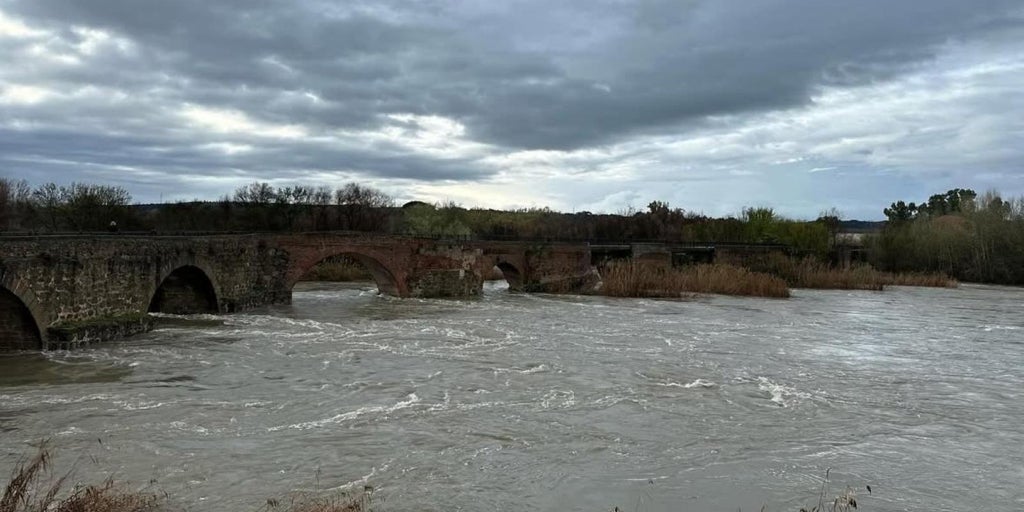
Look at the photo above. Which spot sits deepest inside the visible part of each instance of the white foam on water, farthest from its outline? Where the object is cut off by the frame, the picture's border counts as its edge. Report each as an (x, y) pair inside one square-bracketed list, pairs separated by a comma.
[(533, 369), (700, 383), (140, 406), (558, 398), (990, 328), (781, 394), (383, 410), (187, 427), (445, 403), (70, 431)]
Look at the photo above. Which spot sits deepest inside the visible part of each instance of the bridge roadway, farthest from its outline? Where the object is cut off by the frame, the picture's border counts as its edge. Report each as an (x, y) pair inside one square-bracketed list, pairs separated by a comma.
[(61, 291)]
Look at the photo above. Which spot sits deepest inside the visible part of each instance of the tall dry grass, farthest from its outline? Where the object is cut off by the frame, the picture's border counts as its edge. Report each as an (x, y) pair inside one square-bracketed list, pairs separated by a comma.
[(921, 279), (633, 279), (32, 488), (812, 273)]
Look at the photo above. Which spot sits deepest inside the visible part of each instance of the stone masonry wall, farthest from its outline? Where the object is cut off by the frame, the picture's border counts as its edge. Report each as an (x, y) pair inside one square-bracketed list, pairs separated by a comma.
[(75, 289), (543, 267), (71, 280)]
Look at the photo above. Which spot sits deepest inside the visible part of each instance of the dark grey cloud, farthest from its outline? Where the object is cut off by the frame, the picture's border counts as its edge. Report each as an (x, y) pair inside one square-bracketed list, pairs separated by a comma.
[(579, 75), (53, 155), (659, 63)]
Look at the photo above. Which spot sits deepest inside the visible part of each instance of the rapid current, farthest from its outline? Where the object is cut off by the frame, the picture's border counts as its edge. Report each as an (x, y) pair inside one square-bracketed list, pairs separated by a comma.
[(548, 402)]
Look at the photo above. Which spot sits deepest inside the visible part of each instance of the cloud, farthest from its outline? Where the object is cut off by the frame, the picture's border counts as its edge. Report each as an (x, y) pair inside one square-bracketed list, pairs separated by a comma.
[(587, 104)]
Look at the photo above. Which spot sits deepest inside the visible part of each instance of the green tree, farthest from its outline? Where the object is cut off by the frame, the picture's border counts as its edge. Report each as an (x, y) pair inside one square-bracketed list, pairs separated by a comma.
[(900, 212)]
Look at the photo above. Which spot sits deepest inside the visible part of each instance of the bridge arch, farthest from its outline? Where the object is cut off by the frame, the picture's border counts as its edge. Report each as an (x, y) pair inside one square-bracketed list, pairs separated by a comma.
[(19, 327), (384, 278), (512, 274), (186, 289)]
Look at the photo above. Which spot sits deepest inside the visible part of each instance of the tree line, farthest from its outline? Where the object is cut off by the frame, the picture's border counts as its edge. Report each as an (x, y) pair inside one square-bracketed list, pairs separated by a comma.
[(52, 207), (260, 206), (966, 235), (978, 238)]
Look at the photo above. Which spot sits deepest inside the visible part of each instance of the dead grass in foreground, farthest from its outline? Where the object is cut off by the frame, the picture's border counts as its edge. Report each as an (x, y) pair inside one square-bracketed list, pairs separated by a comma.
[(632, 279), (34, 488)]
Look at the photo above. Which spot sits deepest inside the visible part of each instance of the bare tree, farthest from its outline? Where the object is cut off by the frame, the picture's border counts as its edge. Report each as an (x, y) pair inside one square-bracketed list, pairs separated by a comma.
[(362, 208)]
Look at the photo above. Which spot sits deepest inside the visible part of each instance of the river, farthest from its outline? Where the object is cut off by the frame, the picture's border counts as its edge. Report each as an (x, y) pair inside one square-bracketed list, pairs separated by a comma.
[(546, 402)]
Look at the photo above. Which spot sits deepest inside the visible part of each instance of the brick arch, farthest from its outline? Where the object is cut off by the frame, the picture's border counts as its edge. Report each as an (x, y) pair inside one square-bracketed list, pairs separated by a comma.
[(513, 273), (186, 276), (387, 279), (21, 315)]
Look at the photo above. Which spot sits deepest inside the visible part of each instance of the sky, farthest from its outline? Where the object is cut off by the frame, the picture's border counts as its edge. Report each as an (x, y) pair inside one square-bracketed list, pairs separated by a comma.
[(577, 105)]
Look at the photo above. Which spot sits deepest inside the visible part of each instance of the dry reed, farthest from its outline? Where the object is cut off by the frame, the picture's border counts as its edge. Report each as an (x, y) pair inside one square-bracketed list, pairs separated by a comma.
[(635, 279), (921, 279), (811, 273), (32, 488)]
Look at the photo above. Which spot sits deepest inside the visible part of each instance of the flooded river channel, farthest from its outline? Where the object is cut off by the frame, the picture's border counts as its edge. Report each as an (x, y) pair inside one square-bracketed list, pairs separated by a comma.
[(545, 402)]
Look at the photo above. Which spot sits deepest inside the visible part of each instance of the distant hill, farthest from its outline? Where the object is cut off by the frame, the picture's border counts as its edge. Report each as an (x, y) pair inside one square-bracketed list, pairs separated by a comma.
[(861, 226)]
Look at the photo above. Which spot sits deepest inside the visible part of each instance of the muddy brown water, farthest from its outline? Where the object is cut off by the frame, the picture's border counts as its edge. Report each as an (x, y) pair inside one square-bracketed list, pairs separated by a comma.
[(541, 402)]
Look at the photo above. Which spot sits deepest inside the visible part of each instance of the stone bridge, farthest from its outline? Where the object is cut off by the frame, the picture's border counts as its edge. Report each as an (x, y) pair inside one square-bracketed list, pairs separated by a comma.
[(63, 290)]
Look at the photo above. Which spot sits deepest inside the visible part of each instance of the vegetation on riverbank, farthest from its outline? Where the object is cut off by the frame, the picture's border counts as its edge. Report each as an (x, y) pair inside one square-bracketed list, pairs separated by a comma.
[(633, 279), (262, 207), (970, 237), (771, 276), (959, 233), (809, 272)]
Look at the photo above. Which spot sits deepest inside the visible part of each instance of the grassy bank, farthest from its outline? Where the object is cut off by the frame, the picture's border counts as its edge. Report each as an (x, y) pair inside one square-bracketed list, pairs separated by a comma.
[(632, 279), (811, 273), (338, 269)]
